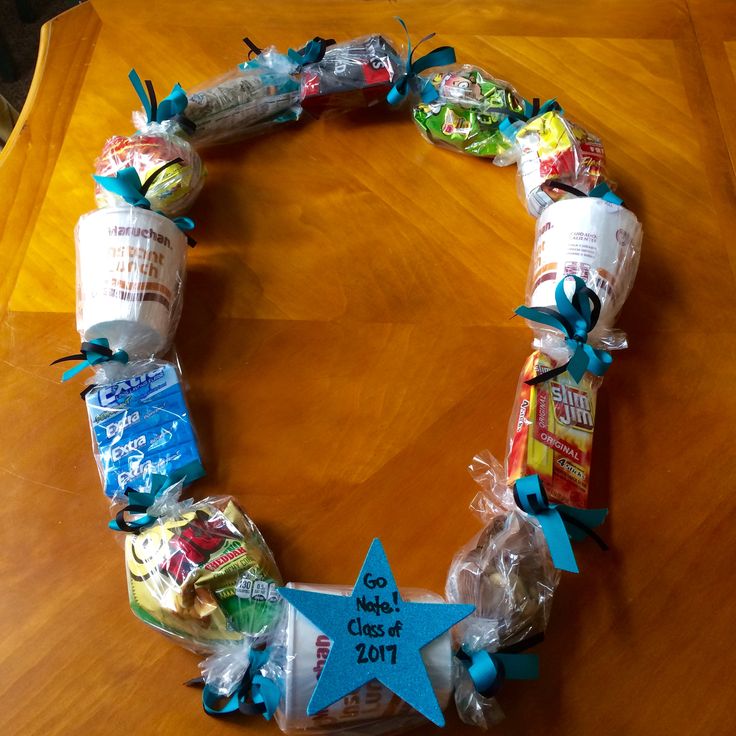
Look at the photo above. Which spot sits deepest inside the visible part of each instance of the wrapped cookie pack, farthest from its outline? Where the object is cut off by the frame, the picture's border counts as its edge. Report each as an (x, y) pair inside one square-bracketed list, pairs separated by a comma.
[(199, 572)]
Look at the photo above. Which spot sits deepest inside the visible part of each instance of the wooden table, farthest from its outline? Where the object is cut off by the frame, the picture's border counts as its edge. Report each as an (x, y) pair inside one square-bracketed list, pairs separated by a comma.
[(347, 340)]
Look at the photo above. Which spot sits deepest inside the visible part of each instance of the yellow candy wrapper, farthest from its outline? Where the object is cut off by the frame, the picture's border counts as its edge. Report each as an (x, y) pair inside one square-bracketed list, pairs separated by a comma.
[(203, 574)]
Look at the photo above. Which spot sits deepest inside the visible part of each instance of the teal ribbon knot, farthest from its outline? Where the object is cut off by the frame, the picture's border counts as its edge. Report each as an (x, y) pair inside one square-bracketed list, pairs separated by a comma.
[(312, 52), (135, 517), (90, 354), (127, 185), (600, 191), (575, 318), (410, 80), (559, 523), (254, 694), (489, 670), (172, 106)]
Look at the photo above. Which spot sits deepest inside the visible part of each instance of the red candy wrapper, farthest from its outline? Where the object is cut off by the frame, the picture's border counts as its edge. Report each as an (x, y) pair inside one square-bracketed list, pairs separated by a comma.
[(551, 431)]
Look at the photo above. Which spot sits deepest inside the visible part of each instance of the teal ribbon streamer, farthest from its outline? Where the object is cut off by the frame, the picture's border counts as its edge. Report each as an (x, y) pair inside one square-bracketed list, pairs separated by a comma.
[(559, 523), (127, 185), (575, 319), (530, 110), (601, 191), (313, 52), (489, 670), (173, 105), (90, 354), (410, 81), (138, 505), (264, 694)]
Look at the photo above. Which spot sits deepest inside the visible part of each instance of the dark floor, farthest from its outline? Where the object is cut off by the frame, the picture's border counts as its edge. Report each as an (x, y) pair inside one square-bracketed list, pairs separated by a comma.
[(20, 26)]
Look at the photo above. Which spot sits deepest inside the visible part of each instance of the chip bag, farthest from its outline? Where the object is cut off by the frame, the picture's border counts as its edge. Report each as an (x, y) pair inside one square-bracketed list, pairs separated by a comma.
[(201, 572)]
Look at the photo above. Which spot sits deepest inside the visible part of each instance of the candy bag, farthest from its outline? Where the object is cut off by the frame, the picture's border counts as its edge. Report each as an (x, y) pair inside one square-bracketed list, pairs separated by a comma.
[(199, 572), (555, 154), (506, 572), (551, 429), (469, 111), (141, 427), (171, 171)]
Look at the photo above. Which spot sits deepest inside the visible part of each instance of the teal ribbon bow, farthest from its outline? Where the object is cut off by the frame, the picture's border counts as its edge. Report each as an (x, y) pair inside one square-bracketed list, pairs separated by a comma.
[(90, 354), (489, 670), (559, 523), (410, 81), (138, 505), (530, 110), (172, 106), (313, 52), (601, 191), (575, 319), (127, 185), (254, 694)]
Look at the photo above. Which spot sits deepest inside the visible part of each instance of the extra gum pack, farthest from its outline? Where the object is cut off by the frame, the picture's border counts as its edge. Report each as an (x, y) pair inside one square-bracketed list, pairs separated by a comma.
[(551, 431)]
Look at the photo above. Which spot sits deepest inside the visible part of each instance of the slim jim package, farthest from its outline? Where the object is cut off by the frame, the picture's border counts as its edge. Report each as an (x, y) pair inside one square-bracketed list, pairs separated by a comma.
[(551, 431)]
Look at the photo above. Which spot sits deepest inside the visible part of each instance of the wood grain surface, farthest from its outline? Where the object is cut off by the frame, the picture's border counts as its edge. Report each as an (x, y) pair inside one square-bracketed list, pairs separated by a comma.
[(347, 342)]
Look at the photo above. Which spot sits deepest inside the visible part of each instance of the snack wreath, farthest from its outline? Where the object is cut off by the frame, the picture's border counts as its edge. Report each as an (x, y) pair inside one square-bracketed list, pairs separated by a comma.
[(200, 572)]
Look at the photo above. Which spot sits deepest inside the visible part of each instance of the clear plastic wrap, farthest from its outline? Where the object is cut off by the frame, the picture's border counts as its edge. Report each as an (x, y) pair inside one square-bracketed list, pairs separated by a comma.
[(203, 574), (468, 112), (173, 190), (245, 101), (506, 572), (591, 238), (141, 427), (351, 74), (299, 650), (551, 429), (550, 148), (131, 265)]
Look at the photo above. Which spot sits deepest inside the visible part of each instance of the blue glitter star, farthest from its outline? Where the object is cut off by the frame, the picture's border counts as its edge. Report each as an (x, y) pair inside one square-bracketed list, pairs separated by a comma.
[(376, 635)]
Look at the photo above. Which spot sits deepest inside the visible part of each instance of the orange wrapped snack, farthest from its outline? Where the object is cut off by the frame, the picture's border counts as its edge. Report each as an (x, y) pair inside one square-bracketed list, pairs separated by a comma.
[(551, 431)]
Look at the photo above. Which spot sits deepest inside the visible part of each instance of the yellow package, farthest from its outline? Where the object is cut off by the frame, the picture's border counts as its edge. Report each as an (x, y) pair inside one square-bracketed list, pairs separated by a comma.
[(203, 574)]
